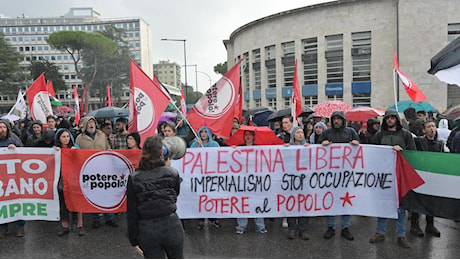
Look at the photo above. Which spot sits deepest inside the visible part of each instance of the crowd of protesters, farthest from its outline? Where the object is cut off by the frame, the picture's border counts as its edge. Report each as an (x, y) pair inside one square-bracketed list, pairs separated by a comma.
[(417, 130)]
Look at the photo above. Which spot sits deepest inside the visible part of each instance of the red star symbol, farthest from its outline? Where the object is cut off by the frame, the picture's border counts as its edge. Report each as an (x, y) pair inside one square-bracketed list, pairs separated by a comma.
[(216, 107), (347, 199), (122, 176)]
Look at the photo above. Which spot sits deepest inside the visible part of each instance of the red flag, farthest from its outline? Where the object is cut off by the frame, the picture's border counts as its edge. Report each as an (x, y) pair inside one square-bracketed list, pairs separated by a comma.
[(147, 102), (219, 105), (38, 100), (83, 96), (240, 104), (49, 87), (108, 103), (408, 178), (412, 90), (183, 106), (77, 105), (296, 108)]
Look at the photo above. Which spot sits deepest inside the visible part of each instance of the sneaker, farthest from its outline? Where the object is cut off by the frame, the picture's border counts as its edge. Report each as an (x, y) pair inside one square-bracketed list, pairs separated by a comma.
[(285, 223), (402, 242), (346, 234), (239, 231), (3, 232), (291, 234), (63, 231), (201, 224), (96, 224), (216, 223), (329, 233), (304, 236), (432, 230), (111, 223), (81, 232), (416, 230), (263, 231), (377, 238), (20, 232)]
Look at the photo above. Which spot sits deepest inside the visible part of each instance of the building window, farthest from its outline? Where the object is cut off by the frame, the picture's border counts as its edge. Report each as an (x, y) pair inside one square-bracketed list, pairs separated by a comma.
[(272, 103), (360, 100), (334, 58), (287, 102), (257, 103), (335, 97), (270, 64), (310, 101), (288, 61), (245, 71), (256, 69), (361, 56), (310, 61), (453, 31)]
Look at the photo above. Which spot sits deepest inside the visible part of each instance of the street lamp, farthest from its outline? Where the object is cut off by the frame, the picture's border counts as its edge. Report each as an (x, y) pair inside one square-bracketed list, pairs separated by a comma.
[(209, 77), (185, 61), (196, 77)]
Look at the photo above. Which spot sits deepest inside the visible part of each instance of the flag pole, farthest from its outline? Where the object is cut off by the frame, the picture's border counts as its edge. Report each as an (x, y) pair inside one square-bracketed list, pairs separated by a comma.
[(394, 88), (184, 118)]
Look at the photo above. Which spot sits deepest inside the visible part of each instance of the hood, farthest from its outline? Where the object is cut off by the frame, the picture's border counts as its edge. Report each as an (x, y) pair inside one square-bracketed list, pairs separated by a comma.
[(340, 114), (410, 114), (370, 125), (48, 136), (443, 123), (391, 112), (36, 122), (292, 135), (64, 130), (8, 127), (85, 122), (207, 131), (320, 124)]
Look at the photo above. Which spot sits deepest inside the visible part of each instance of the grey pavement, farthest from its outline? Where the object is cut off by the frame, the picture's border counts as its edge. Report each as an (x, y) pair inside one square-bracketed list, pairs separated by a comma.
[(41, 241)]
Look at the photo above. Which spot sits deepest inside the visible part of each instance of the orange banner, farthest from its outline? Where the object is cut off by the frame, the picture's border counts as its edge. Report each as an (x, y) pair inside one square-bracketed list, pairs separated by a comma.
[(95, 180)]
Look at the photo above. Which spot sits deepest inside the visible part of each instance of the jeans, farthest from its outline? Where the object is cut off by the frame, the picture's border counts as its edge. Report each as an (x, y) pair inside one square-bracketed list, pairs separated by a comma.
[(19, 225), (344, 221), (162, 237), (297, 223), (107, 216), (243, 224), (400, 224)]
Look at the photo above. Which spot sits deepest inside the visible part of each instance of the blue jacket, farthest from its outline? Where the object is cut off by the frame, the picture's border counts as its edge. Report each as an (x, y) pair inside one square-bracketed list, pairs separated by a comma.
[(210, 143)]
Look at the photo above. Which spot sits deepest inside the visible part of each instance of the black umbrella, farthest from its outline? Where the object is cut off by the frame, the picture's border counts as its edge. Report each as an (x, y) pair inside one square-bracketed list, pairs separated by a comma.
[(279, 114), (109, 112)]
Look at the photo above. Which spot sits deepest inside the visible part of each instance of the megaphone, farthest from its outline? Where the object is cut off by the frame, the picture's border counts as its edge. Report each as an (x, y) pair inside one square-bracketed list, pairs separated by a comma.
[(174, 147)]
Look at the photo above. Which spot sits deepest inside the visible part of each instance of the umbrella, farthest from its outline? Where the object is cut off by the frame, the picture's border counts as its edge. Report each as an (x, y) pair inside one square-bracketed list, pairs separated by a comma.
[(264, 136), (170, 115), (62, 110), (451, 113), (306, 111), (259, 115), (56, 103), (326, 108), (109, 112), (11, 117), (419, 106), (279, 114), (363, 113)]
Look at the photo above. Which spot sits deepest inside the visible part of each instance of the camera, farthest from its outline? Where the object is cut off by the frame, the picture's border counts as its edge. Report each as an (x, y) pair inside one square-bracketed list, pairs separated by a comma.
[(174, 147)]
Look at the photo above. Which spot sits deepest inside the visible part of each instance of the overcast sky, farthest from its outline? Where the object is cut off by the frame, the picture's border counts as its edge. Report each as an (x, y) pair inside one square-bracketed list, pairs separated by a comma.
[(203, 23)]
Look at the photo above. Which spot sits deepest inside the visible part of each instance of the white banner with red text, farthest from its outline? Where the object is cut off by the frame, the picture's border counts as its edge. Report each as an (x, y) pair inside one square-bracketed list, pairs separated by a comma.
[(278, 181), (28, 184)]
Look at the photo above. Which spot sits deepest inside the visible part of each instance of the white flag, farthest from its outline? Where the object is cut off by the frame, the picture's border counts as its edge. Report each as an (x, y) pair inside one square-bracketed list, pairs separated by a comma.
[(20, 108)]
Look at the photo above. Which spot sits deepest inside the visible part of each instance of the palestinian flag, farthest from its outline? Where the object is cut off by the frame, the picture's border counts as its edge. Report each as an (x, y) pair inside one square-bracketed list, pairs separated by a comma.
[(445, 65), (439, 196)]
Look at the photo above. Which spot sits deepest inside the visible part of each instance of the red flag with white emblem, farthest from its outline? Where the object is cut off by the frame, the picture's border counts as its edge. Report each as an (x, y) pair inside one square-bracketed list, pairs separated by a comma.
[(219, 105), (412, 90), (38, 99)]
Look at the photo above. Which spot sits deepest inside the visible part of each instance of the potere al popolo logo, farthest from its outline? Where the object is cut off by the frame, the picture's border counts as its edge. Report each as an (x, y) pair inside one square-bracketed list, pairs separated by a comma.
[(103, 179), (145, 110), (217, 100)]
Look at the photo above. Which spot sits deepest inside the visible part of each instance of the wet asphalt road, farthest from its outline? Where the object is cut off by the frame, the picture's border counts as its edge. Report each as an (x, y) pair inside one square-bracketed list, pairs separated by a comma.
[(41, 241)]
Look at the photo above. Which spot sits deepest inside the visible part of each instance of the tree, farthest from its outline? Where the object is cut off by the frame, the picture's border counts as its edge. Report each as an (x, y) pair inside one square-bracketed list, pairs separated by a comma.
[(221, 68), (52, 73), (84, 47), (12, 75)]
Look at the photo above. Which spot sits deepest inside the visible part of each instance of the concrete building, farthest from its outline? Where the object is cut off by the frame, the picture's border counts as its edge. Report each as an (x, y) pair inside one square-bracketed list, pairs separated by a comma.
[(28, 37), (344, 50), (168, 72)]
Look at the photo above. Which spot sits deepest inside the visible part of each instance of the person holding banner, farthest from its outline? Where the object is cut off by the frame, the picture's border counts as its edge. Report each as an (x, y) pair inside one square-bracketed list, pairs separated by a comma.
[(392, 133), (298, 224), (339, 133), (64, 140), (154, 228), (6, 140), (249, 140)]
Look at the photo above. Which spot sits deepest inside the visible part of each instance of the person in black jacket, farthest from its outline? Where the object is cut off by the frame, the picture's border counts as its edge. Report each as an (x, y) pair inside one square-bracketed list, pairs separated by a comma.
[(153, 225)]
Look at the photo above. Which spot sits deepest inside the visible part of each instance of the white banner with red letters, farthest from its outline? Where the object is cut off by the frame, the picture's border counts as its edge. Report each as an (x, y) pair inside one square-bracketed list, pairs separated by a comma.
[(278, 181), (28, 184)]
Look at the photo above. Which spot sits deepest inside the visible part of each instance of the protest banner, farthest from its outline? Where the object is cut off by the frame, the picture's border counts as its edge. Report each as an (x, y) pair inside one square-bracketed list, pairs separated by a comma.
[(28, 184), (95, 180), (278, 181)]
